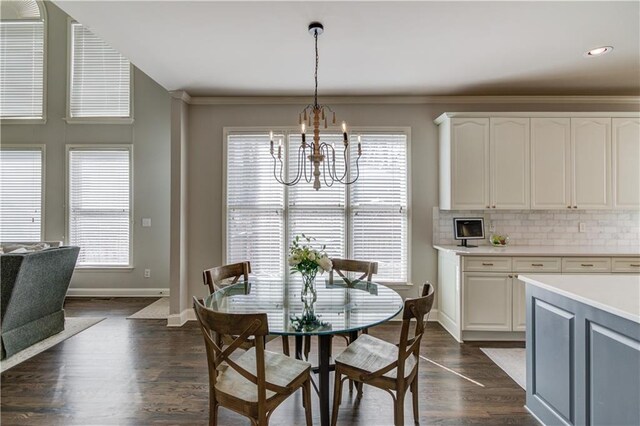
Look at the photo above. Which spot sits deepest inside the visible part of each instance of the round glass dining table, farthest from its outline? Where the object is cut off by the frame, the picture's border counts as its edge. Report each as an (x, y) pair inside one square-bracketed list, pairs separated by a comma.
[(337, 307)]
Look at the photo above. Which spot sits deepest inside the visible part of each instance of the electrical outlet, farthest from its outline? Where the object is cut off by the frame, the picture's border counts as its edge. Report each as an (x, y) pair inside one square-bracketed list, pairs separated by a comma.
[(147, 273), (582, 227)]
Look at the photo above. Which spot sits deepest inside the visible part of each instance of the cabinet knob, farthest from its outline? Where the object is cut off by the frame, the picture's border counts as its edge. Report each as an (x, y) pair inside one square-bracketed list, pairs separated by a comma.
[(537, 264), (488, 207), (494, 207), (568, 207), (510, 276), (586, 264), (575, 207), (487, 264)]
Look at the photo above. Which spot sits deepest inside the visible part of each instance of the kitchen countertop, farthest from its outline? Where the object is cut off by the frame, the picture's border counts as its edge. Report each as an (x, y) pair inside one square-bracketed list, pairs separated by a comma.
[(487, 250), (616, 294)]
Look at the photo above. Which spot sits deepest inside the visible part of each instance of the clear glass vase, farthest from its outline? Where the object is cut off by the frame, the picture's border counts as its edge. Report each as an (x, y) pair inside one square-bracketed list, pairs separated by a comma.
[(308, 295)]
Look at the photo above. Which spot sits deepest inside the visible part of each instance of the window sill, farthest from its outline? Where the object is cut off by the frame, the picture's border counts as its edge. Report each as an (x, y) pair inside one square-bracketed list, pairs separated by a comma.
[(98, 120), (104, 268), (4, 121)]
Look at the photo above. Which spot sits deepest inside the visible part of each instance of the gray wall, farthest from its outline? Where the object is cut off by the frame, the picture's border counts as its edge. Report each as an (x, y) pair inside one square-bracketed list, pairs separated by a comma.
[(206, 123), (150, 136)]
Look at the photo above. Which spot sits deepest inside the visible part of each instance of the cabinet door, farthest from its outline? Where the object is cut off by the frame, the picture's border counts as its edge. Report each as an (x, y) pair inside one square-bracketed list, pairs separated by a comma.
[(519, 317), (487, 302), (626, 163), (591, 166), (509, 163), (470, 163), (550, 163)]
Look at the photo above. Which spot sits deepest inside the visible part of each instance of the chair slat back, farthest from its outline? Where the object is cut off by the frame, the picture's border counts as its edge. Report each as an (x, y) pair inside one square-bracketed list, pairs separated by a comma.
[(413, 309), (242, 326), (342, 266), (213, 277)]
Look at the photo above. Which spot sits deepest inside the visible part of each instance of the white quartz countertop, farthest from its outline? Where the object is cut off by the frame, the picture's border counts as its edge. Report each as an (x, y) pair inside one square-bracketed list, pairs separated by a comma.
[(617, 294), (541, 250)]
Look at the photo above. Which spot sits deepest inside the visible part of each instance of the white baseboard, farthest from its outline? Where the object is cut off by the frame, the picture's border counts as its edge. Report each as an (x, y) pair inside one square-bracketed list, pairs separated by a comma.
[(178, 320), (118, 292)]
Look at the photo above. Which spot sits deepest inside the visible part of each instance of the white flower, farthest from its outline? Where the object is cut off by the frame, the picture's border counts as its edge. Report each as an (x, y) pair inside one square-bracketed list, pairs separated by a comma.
[(325, 263), (294, 260), (312, 256)]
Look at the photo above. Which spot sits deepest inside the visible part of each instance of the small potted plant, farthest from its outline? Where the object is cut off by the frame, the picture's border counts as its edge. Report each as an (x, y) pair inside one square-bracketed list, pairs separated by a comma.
[(308, 261)]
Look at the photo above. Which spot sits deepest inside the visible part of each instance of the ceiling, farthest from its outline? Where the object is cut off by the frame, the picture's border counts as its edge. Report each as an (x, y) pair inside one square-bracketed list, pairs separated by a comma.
[(374, 48)]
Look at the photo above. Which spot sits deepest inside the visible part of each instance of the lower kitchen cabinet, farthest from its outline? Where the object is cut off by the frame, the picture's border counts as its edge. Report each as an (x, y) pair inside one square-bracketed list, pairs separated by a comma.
[(487, 302), (519, 305)]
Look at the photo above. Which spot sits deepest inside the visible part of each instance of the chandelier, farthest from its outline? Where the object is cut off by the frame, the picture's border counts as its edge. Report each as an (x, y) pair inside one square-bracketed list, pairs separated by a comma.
[(321, 156)]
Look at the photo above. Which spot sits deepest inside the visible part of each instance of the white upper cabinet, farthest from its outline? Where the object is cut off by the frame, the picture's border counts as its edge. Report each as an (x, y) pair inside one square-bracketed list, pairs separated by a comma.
[(550, 163), (546, 161), (626, 163), (509, 163), (464, 176), (591, 163)]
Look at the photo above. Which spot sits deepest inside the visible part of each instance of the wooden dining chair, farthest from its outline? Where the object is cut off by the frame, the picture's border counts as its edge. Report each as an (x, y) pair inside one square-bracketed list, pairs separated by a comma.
[(256, 382), (393, 368), (215, 278), (342, 268)]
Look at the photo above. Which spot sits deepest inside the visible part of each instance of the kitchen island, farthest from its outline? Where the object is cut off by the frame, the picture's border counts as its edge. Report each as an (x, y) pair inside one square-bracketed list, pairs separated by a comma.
[(583, 348)]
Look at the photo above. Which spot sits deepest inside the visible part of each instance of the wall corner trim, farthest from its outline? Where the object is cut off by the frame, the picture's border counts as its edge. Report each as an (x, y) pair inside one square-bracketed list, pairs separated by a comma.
[(182, 95), (178, 320)]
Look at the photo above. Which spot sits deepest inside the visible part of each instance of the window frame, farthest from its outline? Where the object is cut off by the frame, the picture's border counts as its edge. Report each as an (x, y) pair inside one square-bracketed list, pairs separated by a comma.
[(67, 192), (347, 208), (43, 188), (93, 120), (45, 43)]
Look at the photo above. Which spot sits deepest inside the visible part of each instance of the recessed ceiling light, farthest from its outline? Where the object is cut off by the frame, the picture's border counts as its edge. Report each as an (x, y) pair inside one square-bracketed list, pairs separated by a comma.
[(598, 51)]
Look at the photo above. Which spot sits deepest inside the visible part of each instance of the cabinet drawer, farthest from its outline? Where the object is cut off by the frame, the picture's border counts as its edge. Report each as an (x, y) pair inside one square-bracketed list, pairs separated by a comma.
[(537, 264), (487, 264), (625, 264), (586, 264)]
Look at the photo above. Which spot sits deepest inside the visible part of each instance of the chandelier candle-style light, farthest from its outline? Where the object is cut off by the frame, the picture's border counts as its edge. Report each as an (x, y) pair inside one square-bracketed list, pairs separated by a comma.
[(321, 154)]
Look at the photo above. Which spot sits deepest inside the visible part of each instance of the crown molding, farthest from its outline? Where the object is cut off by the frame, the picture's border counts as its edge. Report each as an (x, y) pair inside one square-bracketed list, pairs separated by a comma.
[(181, 95), (335, 100)]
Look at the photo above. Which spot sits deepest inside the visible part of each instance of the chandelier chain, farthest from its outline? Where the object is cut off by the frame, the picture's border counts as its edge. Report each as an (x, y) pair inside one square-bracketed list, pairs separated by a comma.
[(315, 95)]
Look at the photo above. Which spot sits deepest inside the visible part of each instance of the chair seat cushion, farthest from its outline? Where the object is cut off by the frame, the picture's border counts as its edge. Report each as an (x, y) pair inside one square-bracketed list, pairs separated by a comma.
[(280, 370), (369, 354)]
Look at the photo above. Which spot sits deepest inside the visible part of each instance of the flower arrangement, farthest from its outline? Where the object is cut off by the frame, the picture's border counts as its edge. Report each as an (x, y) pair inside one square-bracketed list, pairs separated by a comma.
[(306, 259)]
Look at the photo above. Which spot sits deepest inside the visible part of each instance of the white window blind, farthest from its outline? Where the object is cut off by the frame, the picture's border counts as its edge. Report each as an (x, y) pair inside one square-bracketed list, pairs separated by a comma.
[(378, 215), (367, 220), (22, 69), (100, 77), (21, 194), (255, 205), (99, 205)]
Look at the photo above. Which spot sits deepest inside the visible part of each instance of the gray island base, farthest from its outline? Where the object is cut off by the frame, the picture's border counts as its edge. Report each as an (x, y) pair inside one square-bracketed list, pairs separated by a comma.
[(583, 349)]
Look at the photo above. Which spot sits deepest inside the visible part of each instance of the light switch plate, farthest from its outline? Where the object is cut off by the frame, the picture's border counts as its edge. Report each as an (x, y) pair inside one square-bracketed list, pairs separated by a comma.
[(146, 222)]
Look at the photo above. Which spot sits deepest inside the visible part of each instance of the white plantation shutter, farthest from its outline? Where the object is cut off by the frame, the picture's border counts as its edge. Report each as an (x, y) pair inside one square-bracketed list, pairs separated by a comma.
[(22, 69), (255, 205), (378, 214), (100, 77), (367, 220), (21, 194), (100, 205)]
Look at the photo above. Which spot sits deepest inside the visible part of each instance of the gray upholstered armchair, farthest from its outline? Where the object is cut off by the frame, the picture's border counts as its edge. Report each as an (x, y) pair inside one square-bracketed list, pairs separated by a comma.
[(34, 286)]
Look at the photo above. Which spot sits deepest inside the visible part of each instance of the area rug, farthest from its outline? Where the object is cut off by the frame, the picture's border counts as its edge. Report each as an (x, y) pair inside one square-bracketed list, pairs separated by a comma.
[(157, 310), (512, 360), (72, 326)]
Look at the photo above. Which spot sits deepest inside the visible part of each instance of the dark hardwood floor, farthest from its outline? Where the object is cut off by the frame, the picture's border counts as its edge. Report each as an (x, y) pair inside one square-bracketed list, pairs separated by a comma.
[(139, 372)]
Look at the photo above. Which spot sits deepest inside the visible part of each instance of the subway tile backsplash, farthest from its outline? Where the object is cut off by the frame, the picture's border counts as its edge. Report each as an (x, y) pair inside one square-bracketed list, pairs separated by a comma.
[(615, 228)]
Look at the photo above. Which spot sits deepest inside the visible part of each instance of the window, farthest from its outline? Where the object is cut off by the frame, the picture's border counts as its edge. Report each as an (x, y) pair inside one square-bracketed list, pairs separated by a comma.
[(99, 80), (22, 55), (99, 204), (21, 188), (367, 220)]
